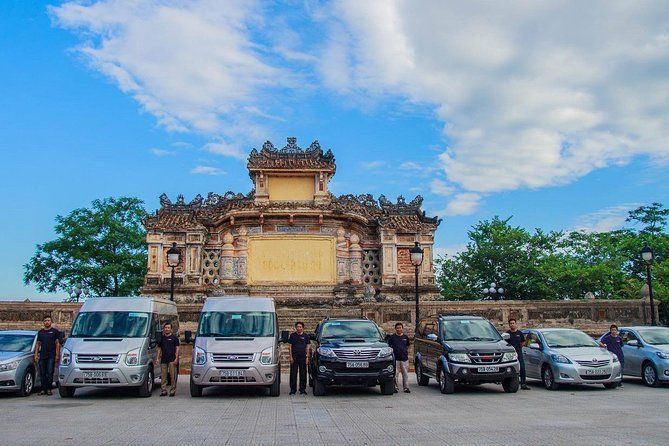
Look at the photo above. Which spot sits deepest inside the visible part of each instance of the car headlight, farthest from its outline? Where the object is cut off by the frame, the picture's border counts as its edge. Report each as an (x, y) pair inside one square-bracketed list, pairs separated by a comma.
[(509, 356), (663, 355), (9, 366), (132, 357), (459, 357), (385, 351), (327, 352), (200, 356), (561, 359), (267, 355), (65, 357)]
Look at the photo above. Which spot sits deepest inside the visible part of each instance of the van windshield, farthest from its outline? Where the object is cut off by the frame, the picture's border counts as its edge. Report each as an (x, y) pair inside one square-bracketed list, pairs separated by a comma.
[(111, 324), (236, 323)]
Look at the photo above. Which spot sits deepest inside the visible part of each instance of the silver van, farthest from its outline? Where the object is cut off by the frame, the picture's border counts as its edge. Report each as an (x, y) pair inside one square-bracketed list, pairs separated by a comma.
[(113, 343), (237, 343)]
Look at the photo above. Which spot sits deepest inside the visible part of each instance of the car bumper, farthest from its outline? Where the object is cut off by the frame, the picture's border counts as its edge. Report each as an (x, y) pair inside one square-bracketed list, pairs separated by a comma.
[(336, 373), (469, 373), (76, 376), (9, 381), (576, 374), (662, 367), (254, 375)]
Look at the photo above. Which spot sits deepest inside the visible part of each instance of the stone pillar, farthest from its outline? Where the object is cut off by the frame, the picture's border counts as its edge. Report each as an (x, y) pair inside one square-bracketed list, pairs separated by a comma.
[(241, 254), (262, 191), (355, 259), (343, 266), (388, 257), (227, 259)]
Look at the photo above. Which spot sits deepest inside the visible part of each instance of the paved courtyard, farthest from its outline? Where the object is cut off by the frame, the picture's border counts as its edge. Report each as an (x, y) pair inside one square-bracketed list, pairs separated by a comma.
[(634, 415)]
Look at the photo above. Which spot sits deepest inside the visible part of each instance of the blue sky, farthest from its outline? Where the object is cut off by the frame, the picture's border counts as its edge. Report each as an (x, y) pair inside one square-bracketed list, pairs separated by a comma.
[(553, 113)]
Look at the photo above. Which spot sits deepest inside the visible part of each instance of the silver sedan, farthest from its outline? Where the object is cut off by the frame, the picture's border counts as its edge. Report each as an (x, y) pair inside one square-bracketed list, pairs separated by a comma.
[(18, 372)]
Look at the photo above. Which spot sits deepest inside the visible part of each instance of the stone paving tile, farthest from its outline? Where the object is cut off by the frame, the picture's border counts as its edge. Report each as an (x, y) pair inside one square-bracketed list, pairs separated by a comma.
[(482, 415)]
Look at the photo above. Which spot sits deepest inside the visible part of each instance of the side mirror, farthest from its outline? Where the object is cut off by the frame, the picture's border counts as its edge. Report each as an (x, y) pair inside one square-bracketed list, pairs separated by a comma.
[(284, 336), (633, 343), (535, 346), (431, 337), (188, 336), (506, 336)]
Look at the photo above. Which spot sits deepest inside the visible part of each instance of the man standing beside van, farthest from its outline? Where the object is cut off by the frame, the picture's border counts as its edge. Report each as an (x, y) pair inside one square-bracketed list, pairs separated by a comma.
[(516, 340), (298, 350), (47, 354), (168, 357), (400, 342)]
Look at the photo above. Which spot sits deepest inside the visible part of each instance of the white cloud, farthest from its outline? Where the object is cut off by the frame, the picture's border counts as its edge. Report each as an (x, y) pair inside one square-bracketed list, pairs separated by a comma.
[(161, 152), (223, 148), (411, 165), (605, 220), (464, 203), (207, 170), (449, 251), (532, 94), (371, 165), (440, 187)]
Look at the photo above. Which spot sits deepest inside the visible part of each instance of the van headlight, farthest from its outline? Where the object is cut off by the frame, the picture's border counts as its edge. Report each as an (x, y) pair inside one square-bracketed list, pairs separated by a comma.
[(459, 357), (200, 356), (385, 351), (9, 366), (65, 357), (509, 356), (327, 352), (132, 357), (561, 359), (267, 355)]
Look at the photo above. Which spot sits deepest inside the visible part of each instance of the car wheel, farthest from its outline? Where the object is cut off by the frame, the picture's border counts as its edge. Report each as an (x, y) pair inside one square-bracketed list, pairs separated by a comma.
[(511, 385), (319, 388), (548, 379), (146, 388), (66, 391), (388, 388), (27, 384), (446, 383), (649, 375), (275, 388), (195, 390), (422, 379)]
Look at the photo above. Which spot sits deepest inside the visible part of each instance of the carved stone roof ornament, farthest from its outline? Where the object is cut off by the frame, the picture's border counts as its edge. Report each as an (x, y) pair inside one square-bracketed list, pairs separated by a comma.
[(291, 157)]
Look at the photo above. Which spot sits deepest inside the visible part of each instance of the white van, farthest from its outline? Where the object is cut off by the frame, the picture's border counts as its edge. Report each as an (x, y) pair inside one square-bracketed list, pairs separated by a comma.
[(113, 343), (237, 344)]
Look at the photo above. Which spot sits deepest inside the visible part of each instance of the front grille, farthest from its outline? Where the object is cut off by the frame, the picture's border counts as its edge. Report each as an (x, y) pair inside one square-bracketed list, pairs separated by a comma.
[(485, 358), (357, 354), (96, 381), (232, 379), (595, 377), (97, 359), (232, 357), (595, 363)]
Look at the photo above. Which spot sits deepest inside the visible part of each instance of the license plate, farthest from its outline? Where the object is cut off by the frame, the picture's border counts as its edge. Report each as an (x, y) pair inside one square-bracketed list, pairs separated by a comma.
[(488, 369), (597, 372), (357, 365), (95, 375), (232, 373)]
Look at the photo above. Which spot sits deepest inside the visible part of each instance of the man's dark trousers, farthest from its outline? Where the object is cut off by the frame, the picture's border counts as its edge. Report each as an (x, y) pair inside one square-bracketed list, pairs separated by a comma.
[(299, 362), (521, 360), (46, 366)]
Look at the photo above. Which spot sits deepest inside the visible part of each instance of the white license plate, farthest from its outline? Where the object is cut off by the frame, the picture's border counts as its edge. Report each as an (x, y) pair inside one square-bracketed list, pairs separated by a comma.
[(232, 373), (597, 371), (95, 375), (357, 365), (488, 369)]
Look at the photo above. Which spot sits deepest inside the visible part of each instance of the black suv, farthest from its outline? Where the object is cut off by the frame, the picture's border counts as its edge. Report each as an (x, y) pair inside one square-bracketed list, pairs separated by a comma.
[(351, 352), (464, 349)]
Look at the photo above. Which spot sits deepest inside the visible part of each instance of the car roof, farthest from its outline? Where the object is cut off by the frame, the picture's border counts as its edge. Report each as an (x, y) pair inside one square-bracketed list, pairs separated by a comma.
[(345, 319), (459, 317), (239, 303), (19, 332), (643, 327), (545, 330)]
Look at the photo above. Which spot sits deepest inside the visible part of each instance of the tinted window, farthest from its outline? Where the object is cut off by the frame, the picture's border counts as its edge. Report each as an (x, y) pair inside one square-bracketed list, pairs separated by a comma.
[(568, 338), (469, 330), (16, 343), (350, 329), (111, 324), (655, 336), (240, 323)]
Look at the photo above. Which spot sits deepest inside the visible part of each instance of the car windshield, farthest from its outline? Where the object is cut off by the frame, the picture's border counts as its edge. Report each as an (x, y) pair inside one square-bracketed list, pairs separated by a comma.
[(236, 323), (350, 330), (469, 330), (655, 336), (16, 343), (568, 339), (111, 324)]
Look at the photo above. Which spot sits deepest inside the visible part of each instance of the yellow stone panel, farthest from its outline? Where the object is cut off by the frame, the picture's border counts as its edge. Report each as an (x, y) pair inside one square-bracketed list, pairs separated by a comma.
[(291, 188), (291, 259)]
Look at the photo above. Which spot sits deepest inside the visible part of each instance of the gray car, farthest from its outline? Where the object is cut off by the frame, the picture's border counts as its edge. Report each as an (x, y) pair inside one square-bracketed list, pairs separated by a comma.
[(18, 372), (568, 356), (646, 353)]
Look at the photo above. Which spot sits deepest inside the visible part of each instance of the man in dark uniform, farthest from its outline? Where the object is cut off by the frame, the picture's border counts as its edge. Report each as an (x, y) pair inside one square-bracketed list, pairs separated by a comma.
[(47, 354), (168, 357), (298, 349), (614, 343), (400, 342), (516, 340)]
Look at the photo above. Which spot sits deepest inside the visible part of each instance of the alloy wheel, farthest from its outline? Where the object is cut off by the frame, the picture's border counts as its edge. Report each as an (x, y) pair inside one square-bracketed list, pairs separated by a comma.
[(29, 383), (649, 375)]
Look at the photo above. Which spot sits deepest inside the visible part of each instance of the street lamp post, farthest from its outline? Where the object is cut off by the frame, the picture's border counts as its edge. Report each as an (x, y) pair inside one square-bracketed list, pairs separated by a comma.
[(77, 291), (647, 256), (416, 260), (173, 259), (493, 292)]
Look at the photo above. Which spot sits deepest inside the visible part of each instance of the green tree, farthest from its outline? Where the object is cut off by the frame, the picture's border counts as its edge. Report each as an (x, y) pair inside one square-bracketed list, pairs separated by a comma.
[(103, 247)]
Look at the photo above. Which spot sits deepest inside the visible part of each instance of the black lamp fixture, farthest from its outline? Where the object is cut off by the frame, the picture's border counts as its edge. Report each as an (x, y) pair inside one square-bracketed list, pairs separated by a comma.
[(173, 260), (416, 260), (647, 256)]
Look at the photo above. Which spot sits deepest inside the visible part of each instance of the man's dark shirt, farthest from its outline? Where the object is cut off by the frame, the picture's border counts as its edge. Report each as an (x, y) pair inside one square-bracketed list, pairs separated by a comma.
[(48, 339), (614, 345), (400, 346), (516, 340), (299, 344), (168, 348)]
